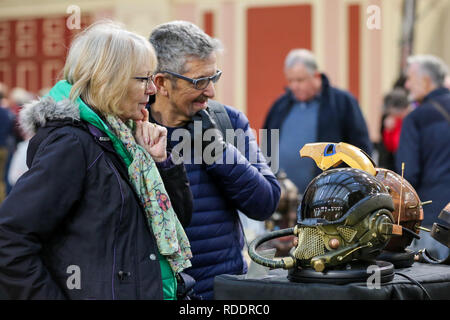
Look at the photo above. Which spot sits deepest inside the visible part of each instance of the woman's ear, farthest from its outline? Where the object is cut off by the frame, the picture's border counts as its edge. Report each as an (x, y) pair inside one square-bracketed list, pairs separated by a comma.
[(161, 84)]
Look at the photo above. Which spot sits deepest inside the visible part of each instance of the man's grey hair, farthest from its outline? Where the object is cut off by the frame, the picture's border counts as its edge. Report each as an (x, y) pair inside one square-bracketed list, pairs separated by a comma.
[(431, 66), (301, 56), (177, 41)]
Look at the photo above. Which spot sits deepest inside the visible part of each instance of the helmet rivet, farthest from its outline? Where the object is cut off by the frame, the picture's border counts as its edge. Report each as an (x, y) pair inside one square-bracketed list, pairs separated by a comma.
[(318, 265), (334, 243)]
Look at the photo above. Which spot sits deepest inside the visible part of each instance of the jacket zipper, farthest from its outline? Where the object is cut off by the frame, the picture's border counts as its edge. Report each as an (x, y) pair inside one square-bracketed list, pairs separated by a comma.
[(115, 236)]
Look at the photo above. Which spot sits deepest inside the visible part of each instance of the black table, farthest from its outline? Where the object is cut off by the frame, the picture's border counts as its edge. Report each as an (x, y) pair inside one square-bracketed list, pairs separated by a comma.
[(275, 286)]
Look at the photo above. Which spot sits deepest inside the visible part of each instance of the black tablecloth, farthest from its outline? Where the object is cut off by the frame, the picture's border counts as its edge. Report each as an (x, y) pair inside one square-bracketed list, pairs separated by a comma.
[(275, 286)]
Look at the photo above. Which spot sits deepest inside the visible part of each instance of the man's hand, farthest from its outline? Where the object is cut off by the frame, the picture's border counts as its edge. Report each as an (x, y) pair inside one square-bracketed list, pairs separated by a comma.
[(152, 138), (213, 138)]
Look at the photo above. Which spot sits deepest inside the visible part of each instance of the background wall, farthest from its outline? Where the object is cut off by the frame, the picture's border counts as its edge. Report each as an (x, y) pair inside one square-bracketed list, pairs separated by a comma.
[(257, 34)]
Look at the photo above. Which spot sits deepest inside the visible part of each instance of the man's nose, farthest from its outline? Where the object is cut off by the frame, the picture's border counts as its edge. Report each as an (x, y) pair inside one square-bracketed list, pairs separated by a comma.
[(210, 91)]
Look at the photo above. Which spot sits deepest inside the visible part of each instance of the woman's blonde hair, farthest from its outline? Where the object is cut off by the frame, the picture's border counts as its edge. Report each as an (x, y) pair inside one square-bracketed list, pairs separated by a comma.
[(101, 61)]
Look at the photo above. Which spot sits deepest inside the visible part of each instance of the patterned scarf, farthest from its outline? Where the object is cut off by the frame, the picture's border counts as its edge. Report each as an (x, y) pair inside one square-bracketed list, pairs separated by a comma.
[(171, 239), (170, 236)]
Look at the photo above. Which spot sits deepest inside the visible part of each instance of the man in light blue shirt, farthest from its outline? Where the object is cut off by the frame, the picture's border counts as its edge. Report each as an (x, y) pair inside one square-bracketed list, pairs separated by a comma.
[(302, 115), (311, 111)]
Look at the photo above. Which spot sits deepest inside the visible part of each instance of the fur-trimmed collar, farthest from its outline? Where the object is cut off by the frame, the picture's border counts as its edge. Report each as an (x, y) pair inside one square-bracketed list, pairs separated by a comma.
[(36, 113)]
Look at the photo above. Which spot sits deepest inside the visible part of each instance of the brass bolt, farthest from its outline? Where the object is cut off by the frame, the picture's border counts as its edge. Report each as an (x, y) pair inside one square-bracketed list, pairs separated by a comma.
[(318, 265)]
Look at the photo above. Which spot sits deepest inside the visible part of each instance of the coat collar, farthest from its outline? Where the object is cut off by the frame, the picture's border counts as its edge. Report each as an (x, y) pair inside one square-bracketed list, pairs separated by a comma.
[(37, 113), (435, 93)]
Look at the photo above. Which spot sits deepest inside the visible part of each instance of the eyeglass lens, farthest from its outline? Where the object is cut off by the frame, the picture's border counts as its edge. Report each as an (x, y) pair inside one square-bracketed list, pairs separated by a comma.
[(204, 82)]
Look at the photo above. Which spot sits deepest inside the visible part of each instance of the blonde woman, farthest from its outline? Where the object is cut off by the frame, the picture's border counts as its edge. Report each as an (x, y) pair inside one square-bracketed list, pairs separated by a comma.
[(95, 216)]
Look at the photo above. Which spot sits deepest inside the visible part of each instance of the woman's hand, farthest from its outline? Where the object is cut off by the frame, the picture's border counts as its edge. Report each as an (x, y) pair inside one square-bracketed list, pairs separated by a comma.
[(152, 138)]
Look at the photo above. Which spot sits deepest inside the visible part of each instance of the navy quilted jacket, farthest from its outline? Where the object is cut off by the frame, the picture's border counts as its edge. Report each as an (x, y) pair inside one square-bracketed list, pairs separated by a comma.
[(219, 190)]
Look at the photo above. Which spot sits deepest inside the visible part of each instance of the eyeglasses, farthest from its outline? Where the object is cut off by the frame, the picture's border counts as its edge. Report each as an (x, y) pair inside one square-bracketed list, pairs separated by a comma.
[(199, 83), (146, 80)]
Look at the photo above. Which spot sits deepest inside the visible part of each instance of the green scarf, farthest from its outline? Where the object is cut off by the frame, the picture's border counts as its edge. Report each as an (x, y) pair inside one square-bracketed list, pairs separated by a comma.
[(171, 239)]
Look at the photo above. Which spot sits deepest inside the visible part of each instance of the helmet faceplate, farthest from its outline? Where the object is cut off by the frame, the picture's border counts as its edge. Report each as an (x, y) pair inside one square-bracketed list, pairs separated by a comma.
[(345, 215), (330, 195)]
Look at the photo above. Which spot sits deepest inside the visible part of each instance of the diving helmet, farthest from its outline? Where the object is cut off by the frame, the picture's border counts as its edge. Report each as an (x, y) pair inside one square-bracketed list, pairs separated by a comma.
[(345, 215)]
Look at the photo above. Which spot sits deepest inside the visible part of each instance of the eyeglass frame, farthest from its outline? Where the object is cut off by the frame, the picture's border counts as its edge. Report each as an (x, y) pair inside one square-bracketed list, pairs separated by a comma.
[(195, 82), (148, 79)]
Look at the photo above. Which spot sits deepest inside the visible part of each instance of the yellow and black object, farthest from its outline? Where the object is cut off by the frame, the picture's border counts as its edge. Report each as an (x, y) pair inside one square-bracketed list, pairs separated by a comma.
[(327, 155)]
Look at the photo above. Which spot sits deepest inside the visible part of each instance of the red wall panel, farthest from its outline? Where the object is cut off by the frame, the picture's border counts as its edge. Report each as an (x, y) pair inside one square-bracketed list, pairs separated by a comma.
[(271, 33), (353, 49), (33, 51), (208, 23)]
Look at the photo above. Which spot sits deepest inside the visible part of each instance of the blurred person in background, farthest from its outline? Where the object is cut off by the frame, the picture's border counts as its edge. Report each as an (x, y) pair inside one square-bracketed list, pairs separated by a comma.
[(6, 130), (18, 163), (396, 106), (18, 97), (312, 110), (424, 145)]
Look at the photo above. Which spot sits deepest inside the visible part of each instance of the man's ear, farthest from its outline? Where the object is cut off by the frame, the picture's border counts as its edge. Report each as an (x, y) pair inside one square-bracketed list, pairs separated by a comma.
[(162, 84), (428, 84)]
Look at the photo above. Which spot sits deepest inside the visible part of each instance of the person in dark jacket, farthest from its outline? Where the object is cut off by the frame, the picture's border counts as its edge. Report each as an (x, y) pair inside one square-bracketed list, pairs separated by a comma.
[(310, 111), (424, 145), (85, 221), (222, 177), (395, 108), (6, 130)]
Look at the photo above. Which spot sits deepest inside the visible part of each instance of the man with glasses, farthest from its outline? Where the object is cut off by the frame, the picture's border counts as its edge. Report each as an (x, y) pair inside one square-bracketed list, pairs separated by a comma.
[(185, 79)]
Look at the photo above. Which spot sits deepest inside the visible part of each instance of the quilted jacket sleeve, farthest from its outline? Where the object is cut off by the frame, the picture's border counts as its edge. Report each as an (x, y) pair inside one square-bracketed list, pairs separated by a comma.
[(243, 173)]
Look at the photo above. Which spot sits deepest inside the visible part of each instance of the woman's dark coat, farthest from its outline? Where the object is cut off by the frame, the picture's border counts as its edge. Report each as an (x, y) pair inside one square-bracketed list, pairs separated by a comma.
[(73, 227)]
